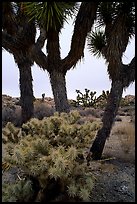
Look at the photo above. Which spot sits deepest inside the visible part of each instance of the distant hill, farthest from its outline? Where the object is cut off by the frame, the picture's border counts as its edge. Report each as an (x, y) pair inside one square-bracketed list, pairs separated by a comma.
[(6, 99)]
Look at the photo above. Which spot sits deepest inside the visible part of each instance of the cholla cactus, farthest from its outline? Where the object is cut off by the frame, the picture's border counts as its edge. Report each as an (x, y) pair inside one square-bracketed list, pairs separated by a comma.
[(102, 99), (89, 99), (52, 151), (11, 133), (86, 99), (20, 191)]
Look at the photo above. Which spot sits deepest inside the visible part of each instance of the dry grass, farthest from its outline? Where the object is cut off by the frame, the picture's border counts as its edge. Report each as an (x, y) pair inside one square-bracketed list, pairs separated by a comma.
[(11, 114), (42, 110), (126, 134), (90, 112)]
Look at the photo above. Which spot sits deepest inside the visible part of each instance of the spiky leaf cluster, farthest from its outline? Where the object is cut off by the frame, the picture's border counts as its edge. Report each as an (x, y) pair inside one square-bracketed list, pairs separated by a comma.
[(95, 42), (108, 13), (117, 26), (51, 15), (53, 148)]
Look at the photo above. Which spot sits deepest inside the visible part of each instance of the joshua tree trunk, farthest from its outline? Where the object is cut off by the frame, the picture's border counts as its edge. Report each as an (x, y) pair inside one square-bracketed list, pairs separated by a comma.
[(108, 119), (58, 84), (26, 87)]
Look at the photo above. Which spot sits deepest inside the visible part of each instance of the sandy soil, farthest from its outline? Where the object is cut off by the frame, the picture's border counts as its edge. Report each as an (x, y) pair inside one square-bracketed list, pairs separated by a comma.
[(115, 175)]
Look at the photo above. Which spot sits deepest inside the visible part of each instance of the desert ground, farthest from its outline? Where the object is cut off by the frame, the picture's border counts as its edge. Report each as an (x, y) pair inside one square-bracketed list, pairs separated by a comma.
[(115, 172)]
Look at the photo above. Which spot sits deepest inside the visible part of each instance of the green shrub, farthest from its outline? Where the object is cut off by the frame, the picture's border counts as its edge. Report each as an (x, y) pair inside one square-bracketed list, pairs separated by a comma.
[(51, 151)]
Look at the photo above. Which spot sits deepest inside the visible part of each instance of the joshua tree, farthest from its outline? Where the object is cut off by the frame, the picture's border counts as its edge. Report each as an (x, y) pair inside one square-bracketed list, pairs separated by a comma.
[(52, 62), (49, 18), (119, 21), (43, 97), (18, 34)]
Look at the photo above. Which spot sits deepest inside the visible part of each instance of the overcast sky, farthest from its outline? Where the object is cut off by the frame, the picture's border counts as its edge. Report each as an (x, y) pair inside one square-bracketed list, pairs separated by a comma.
[(90, 73)]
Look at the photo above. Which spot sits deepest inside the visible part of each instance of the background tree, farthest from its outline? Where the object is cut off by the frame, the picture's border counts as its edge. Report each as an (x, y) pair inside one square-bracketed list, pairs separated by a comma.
[(49, 18), (46, 14), (18, 34), (118, 19)]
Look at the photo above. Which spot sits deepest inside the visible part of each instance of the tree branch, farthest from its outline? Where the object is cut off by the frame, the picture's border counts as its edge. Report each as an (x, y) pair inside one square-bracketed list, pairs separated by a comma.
[(9, 42), (84, 21), (41, 39), (132, 65), (38, 56), (8, 18), (12, 45), (128, 73)]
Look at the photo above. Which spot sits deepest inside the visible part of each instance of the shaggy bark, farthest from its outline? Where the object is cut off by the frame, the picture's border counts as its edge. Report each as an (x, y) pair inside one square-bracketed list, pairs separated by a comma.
[(58, 84), (128, 73), (108, 119), (9, 43), (18, 35), (84, 21), (56, 67), (126, 76), (26, 90), (57, 76)]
